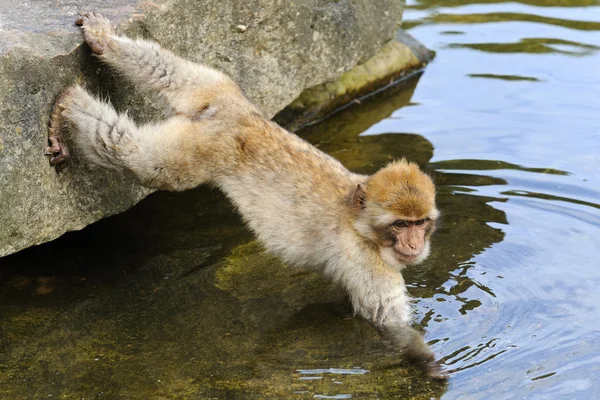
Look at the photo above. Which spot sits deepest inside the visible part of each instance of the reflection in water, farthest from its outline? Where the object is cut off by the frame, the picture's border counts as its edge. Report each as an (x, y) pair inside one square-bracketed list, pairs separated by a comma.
[(495, 17), (533, 45), (505, 77), (433, 4), (552, 198), (516, 126), (484, 165), (354, 371)]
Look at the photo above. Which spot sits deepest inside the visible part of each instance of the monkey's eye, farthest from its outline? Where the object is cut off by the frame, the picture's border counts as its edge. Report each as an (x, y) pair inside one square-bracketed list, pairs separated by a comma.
[(400, 224), (420, 222)]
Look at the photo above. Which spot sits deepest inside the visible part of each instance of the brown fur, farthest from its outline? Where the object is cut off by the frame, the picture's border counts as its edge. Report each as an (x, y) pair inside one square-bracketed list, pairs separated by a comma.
[(302, 204), (403, 189)]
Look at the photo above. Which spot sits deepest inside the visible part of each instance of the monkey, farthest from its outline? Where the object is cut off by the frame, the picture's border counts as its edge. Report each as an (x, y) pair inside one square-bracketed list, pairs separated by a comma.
[(302, 204)]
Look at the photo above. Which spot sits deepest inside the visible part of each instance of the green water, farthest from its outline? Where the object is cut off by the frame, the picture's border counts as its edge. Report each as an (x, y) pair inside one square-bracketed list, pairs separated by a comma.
[(173, 300)]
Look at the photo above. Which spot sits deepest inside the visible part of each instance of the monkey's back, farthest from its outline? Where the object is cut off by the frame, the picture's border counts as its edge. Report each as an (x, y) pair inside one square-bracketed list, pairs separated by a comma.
[(288, 191)]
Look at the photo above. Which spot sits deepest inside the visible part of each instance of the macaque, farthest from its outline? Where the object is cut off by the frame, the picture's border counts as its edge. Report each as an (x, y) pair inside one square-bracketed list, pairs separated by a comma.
[(304, 206)]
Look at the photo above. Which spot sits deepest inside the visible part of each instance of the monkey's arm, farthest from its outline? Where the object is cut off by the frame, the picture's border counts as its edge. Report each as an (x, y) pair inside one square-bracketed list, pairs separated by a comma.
[(378, 294), (387, 307), (186, 86)]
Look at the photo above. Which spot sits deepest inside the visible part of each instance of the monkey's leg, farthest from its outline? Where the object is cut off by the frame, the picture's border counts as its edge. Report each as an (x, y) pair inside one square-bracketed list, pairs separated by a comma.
[(154, 154), (187, 87)]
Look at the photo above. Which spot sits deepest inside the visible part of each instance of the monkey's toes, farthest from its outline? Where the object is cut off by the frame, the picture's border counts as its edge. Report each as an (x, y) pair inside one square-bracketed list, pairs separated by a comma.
[(58, 153), (57, 150), (57, 156)]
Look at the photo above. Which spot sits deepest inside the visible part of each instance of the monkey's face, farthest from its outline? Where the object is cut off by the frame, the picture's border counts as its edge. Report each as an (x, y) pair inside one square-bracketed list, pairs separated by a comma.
[(397, 211), (405, 241)]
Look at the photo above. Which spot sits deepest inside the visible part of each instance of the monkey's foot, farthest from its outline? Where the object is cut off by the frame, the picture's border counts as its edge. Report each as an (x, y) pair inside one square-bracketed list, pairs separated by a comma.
[(58, 152), (96, 31), (57, 149)]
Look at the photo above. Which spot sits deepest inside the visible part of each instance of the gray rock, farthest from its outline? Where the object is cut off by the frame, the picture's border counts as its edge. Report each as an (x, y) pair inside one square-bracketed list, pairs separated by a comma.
[(285, 48), (393, 63)]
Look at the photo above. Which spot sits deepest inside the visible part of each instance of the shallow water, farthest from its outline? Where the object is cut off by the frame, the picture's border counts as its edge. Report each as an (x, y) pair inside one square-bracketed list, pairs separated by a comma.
[(172, 299)]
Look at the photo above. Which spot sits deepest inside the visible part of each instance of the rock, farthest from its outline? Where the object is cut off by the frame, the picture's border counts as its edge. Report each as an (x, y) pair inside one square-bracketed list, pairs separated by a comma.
[(341, 134), (287, 47), (398, 59)]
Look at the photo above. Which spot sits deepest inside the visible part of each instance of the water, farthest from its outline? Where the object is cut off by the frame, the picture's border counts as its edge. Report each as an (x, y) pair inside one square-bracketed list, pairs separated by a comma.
[(172, 299), (511, 107)]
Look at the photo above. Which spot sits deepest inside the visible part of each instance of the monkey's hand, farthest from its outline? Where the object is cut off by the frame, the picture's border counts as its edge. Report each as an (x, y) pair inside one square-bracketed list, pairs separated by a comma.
[(383, 301), (57, 149), (97, 31), (406, 340)]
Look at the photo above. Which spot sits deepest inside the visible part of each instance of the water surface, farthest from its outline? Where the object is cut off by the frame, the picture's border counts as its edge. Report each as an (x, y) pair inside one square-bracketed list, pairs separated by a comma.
[(511, 106)]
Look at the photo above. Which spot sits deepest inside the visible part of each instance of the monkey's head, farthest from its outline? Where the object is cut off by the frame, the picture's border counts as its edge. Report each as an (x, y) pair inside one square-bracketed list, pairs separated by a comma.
[(395, 210)]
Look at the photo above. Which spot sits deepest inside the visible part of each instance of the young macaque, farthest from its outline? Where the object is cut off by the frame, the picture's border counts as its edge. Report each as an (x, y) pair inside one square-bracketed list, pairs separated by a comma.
[(303, 205)]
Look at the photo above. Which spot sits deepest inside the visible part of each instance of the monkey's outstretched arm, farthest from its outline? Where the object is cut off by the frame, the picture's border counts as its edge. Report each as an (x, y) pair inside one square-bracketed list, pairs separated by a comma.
[(379, 295), (186, 86), (389, 314), (149, 153)]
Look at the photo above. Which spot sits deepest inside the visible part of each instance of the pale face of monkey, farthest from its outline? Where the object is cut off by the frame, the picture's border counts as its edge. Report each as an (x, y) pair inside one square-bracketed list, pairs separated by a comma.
[(396, 210), (406, 242)]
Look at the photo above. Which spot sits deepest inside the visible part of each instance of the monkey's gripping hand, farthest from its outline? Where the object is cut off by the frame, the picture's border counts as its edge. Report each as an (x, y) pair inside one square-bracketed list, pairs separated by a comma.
[(97, 31), (187, 87)]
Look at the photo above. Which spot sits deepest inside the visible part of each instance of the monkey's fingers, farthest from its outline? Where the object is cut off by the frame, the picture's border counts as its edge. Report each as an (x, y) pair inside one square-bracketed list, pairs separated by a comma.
[(96, 30), (80, 21), (90, 17), (85, 18)]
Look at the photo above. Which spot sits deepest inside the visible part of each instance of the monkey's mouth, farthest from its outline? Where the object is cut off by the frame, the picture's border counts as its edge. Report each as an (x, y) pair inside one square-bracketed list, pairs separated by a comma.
[(407, 257)]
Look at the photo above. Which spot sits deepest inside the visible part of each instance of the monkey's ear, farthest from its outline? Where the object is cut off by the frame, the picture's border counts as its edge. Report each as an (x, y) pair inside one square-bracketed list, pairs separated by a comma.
[(358, 198)]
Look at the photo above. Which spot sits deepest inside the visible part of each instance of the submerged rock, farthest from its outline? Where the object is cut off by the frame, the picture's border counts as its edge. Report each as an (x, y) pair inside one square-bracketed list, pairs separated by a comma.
[(398, 59), (284, 48)]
